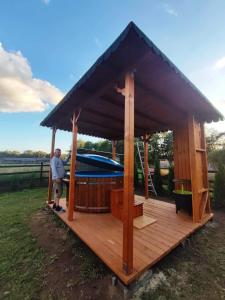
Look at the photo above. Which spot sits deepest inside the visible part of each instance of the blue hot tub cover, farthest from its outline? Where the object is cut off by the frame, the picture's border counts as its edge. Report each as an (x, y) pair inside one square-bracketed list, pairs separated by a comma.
[(100, 161)]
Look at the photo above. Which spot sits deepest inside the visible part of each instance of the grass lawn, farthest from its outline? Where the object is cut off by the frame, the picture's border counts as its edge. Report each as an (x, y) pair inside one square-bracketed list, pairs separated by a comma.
[(41, 259), (21, 260)]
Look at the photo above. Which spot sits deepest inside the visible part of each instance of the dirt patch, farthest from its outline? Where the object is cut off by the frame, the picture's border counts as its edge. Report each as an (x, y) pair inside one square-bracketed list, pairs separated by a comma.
[(72, 271), (196, 271)]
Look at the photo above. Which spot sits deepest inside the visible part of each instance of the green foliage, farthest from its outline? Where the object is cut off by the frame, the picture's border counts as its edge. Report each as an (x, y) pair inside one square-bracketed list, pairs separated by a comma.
[(26, 153), (104, 146), (171, 185), (89, 145), (167, 146), (154, 147), (215, 140), (161, 145), (217, 157), (136, 178), (219, 188), (157, 180)]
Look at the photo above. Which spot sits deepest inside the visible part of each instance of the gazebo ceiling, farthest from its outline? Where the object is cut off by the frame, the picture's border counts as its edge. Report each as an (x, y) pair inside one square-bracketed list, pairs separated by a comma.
[(163, 95)]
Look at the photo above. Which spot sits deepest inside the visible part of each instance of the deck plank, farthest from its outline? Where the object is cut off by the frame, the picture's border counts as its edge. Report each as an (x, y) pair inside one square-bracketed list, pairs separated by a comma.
[(103, 234)]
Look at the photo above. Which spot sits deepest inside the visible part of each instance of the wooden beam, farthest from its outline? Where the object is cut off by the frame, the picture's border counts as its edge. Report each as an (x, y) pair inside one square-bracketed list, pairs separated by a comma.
[(146, 167), (128, 200), (138, 113), (50, 171), (71, 204), (114, 149), (116, 113), (193, 168), (205, 167)]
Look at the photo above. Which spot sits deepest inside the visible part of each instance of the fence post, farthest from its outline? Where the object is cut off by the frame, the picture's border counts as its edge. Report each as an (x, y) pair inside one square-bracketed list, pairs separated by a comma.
[(41, 173)]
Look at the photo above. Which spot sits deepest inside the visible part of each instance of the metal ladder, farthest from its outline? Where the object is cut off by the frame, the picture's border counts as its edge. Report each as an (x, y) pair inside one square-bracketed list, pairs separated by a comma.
[(140, 148)]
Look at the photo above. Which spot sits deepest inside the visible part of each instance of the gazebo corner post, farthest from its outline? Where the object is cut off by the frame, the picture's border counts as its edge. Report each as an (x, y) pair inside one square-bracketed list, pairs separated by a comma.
[(50, 172), (128, 197), (114, 142), (205, 163), (193, 167), (71, 203), (146, 167)]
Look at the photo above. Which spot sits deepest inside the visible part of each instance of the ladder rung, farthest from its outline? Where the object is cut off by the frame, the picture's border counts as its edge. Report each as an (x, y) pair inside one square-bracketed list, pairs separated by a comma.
[(202, 190), (200, 150)]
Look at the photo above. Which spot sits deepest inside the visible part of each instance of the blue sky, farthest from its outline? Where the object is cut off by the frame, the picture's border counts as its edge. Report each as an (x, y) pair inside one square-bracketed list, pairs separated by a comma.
[(47, 45)]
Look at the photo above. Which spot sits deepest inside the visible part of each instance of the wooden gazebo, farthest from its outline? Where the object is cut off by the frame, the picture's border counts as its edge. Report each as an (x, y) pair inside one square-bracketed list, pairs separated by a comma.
[(134, 90)]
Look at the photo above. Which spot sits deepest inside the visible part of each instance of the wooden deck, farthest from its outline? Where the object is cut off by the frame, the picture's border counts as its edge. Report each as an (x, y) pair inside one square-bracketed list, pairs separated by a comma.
[(103, 234)]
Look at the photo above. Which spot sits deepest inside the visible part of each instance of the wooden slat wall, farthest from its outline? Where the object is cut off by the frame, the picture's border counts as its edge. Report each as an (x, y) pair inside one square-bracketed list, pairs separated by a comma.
[(199, 169), (181, 155)]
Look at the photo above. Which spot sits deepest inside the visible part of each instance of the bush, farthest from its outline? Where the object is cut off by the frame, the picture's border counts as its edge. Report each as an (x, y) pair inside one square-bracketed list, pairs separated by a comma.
[(217, 157), (171, 185), (219, 188), (157, 180)]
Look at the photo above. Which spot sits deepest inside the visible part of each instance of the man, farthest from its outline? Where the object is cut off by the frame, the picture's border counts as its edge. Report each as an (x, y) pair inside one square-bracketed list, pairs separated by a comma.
[(58, 172)]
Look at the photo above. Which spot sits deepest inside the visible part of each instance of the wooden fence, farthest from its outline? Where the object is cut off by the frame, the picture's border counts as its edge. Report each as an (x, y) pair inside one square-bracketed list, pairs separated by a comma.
[(20, 176)]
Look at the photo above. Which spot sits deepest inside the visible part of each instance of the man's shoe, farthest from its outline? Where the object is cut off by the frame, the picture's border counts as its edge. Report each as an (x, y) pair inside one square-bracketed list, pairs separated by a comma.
[(59, 209)]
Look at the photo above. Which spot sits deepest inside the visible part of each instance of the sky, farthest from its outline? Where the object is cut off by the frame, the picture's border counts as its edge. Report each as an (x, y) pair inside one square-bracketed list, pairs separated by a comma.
[(47, 45)]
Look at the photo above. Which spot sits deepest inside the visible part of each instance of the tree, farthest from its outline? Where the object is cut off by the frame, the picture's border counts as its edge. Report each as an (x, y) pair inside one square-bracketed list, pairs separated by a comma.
[(80, 144), (171, 185), (219, 187), (167, 146), (215, 140), (154, 147), (89, 145), (157, 180)]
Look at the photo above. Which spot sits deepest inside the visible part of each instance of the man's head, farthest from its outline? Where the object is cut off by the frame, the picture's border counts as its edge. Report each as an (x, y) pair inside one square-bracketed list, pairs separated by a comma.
[(57, 152)]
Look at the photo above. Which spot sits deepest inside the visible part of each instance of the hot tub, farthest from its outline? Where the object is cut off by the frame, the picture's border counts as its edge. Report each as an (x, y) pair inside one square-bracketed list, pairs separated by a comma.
[(94, 181)]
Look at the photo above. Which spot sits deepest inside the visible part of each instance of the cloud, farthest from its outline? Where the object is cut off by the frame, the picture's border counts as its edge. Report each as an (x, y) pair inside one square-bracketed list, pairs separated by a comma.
[(169, 10), (19, 90), (219, 64), (46, 2)]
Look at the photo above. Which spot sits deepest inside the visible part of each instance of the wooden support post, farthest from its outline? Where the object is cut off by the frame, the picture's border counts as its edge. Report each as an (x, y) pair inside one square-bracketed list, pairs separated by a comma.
[(114, 149), (50, 172), (205, 167), (146, 168), (193, 168), (128, 200), (71, 203)]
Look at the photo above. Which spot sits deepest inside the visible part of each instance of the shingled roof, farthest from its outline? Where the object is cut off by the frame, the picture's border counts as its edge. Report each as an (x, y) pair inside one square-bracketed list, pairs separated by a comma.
[(164, 96)]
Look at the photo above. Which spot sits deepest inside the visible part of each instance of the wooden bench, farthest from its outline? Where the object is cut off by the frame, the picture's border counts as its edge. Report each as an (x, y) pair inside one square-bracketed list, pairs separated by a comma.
[(116, 201)]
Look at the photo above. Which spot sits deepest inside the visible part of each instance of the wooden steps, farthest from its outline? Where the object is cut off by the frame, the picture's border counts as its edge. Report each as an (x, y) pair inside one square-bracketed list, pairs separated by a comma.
[(116, 200)]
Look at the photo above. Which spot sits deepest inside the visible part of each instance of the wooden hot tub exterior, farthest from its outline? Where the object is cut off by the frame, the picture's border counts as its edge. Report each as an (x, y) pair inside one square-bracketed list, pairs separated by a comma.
[(92, 192)]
